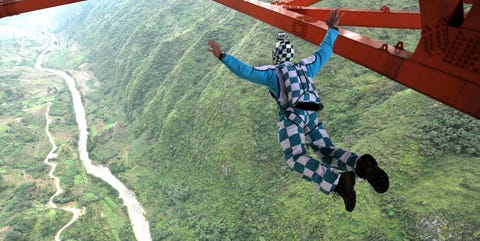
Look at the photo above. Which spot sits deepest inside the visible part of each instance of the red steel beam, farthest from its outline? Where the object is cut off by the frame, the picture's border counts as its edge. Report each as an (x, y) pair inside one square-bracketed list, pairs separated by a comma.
[(449, 84), (472, 19), (296, 2), (14, 7), (383, 18), (449, 46)]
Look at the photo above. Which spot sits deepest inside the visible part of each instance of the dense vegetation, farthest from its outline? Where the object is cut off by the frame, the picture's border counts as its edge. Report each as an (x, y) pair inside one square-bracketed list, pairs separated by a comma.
[(199, 147), (24, 183)]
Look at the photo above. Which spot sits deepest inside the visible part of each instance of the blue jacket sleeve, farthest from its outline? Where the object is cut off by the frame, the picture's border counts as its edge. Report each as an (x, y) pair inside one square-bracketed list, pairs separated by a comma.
[(315, 62), (264, 75)]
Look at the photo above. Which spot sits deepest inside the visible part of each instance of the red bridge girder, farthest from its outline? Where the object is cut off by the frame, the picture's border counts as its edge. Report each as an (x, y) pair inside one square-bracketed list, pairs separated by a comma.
[(14, 7), (445, 64)]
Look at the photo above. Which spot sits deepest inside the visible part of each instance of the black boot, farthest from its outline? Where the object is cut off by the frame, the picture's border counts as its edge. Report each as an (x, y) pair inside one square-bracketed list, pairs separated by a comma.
[(368, 169), (345, 190)]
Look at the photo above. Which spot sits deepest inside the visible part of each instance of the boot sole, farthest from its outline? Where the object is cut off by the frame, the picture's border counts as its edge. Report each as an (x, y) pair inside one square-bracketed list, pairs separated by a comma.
[(378, 178)]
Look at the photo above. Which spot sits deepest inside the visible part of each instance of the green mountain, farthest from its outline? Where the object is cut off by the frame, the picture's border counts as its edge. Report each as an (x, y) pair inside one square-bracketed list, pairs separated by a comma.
[(199, 146)]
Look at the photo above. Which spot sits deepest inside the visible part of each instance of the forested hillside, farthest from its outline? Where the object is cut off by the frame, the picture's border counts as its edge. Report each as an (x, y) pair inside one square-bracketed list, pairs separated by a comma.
[(199, 146)]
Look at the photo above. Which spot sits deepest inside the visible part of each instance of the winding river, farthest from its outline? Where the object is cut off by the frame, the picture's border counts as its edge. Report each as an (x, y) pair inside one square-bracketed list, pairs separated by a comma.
[(136, 212)]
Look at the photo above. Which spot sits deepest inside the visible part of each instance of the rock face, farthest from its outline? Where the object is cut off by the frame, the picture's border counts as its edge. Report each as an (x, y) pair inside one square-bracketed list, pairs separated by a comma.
[(431, 227), (442, 226)]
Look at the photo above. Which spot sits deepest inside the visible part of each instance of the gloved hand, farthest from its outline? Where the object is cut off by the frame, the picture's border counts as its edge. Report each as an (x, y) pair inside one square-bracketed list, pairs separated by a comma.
[(215, 48), (334, 18)]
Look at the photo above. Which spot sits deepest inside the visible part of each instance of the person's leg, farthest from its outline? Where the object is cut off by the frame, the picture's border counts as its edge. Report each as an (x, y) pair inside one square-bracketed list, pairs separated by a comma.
[(364, 166), (292, 141), (321, 143)]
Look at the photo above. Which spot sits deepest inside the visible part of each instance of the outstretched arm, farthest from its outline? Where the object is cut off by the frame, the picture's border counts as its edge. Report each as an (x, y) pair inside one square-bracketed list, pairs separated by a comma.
[(315, 62), (265, 75)]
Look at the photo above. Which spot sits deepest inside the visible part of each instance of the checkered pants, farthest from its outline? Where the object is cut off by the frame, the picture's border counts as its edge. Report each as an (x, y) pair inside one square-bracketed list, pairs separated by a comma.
[(296, 128)]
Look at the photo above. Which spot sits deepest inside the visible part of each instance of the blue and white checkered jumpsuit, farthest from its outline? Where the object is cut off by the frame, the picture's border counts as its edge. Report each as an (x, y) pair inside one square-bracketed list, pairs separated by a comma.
[(297, 128)]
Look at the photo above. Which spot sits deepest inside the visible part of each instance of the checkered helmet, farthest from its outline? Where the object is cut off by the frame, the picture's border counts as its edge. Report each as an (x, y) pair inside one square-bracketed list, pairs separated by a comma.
[(283, 52)]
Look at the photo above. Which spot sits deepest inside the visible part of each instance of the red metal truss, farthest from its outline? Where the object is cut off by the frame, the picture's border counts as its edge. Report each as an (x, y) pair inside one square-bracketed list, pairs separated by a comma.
[(445, 64), (14, 7), (382, 18), (295, 2)]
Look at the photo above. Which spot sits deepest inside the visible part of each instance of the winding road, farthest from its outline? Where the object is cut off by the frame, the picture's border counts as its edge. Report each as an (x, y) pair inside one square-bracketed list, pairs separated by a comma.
[(51, 155), (140, 225)]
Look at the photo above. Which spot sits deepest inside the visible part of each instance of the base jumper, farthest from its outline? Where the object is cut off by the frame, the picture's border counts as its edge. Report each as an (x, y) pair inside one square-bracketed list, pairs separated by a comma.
[(335, 169)]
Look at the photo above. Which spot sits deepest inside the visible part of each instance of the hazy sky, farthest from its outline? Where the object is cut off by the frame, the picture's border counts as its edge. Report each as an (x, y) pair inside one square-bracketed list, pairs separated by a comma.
[(26, 23)]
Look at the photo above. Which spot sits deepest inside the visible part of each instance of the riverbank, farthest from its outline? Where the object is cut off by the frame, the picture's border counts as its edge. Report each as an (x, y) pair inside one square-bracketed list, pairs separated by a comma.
[(25, 185), (136, 212)]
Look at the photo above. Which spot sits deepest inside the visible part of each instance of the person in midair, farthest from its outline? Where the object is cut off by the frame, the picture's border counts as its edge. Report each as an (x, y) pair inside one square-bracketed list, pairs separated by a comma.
[(335, 169)]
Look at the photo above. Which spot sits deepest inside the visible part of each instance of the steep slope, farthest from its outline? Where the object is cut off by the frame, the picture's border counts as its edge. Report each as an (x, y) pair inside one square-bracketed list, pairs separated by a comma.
[(201, 143)]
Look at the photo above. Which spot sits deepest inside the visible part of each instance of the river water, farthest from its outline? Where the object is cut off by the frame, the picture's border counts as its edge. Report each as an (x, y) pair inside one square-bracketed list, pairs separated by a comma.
[(140, 225)]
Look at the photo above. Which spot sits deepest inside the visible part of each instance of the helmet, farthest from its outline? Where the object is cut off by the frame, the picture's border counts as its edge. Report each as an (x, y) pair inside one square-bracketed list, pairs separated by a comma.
[(283, 51)]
